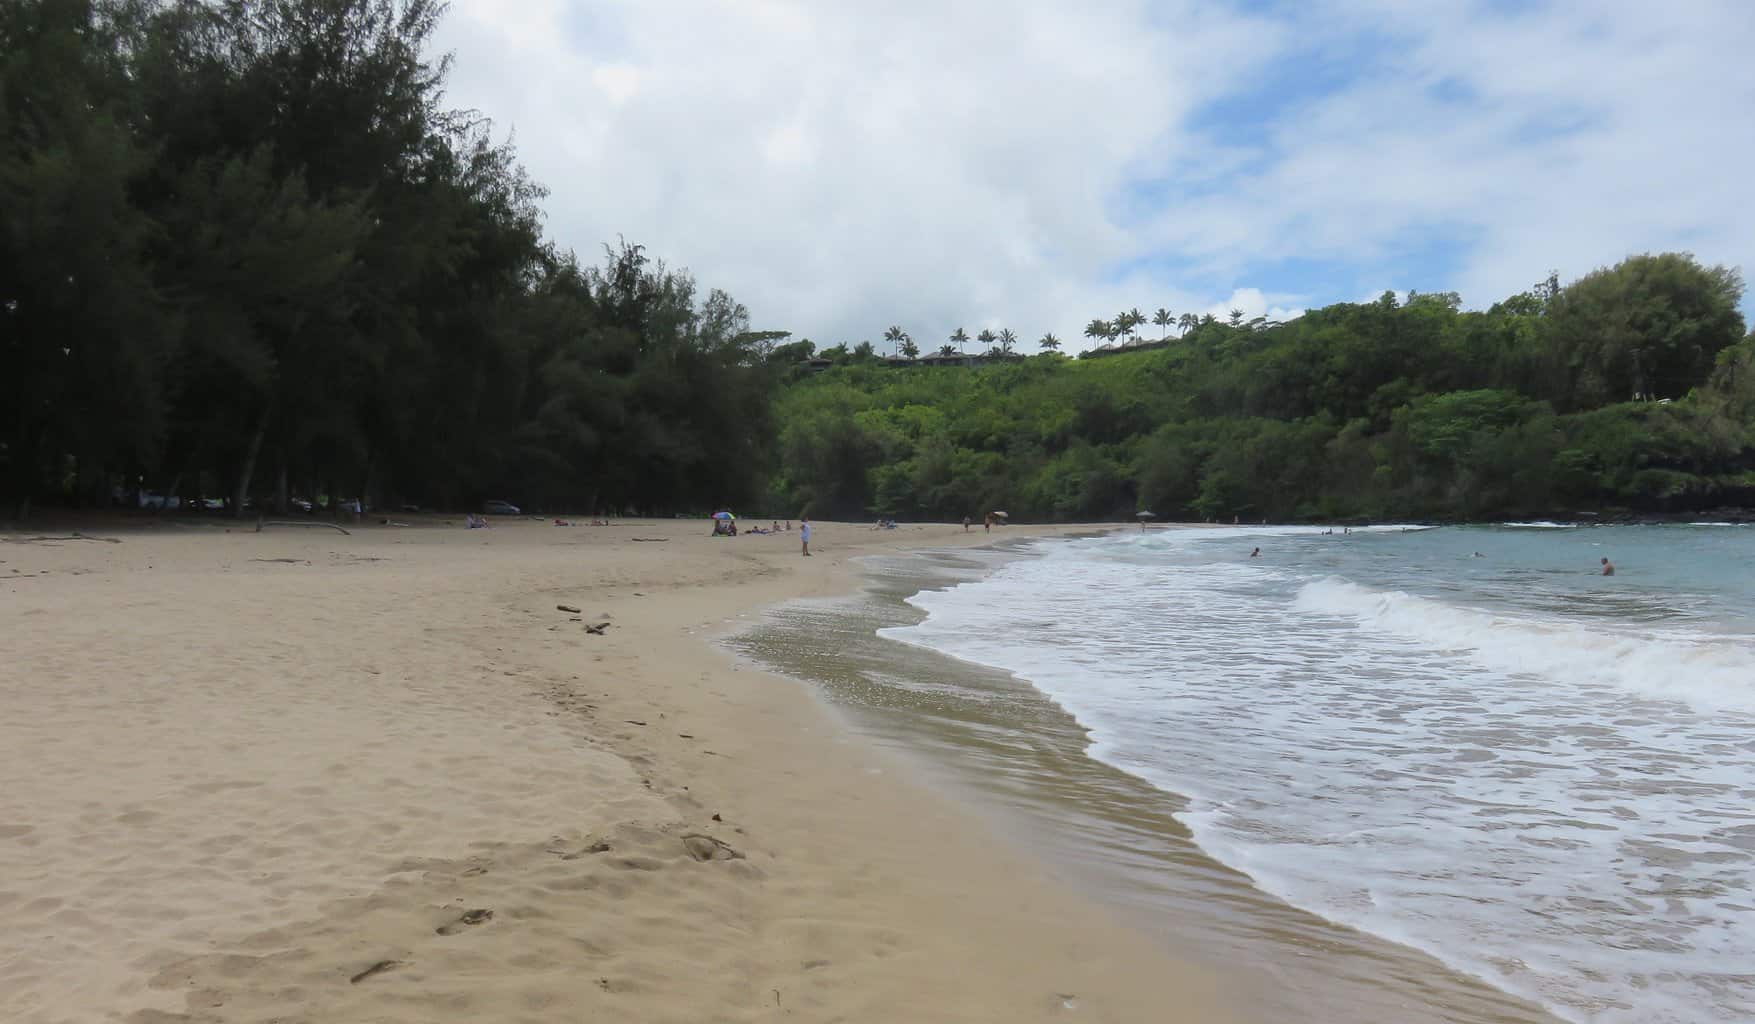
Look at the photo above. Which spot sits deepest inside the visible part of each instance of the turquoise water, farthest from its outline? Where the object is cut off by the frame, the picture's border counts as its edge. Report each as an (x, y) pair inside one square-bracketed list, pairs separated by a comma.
[(1538, 775)]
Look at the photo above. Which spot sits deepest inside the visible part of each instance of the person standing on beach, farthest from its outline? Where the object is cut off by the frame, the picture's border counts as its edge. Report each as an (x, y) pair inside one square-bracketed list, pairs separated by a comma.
[(804, 533), (965, 524), (1608, 567)]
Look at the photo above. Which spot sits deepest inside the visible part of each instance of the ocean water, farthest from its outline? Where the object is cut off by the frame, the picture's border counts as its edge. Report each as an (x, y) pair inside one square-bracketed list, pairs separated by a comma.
[(1460, 740)]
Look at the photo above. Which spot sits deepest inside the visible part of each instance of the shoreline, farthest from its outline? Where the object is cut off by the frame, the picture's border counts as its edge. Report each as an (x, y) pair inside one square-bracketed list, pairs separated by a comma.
[(292, 757), (1023, 763)]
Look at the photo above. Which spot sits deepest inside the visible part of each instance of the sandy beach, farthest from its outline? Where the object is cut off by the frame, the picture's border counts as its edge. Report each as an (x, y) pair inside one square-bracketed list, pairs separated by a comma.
[(300, 776)]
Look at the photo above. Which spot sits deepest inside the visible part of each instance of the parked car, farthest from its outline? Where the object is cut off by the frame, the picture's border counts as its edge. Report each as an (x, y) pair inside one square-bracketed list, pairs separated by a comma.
[(501, 508)]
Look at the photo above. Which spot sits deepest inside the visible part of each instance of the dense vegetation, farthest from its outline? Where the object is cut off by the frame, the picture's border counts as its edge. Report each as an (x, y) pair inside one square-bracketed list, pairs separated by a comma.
[(1383, 409), (245, 252)]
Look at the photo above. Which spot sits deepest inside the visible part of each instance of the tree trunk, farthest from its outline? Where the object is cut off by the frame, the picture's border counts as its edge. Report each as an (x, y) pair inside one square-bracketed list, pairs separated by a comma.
[(280, 494), (249, 470)]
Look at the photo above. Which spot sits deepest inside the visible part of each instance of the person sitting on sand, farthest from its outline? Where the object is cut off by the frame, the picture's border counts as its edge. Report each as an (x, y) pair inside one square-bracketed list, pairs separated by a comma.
[(1608, 567), (474, 522)]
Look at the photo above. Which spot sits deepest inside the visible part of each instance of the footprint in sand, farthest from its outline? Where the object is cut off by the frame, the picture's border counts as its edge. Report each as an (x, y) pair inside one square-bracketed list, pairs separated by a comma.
[(469, 918)]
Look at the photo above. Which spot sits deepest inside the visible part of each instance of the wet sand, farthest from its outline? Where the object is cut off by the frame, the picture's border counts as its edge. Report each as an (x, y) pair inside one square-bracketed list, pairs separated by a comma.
[(1017, 759), (303, 776)]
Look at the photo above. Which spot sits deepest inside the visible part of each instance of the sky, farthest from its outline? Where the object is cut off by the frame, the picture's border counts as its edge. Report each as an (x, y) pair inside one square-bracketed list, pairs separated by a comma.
[(840, 167)]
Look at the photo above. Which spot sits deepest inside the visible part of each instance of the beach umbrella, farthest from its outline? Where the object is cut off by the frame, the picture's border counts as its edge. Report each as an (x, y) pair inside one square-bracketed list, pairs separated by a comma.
[(1145, 515), (1000, 515), (723, 515)]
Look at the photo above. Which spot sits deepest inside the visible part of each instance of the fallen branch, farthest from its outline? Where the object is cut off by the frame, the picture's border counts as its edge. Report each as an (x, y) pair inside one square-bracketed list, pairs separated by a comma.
[(569, 609), (283, 522), (378, 968)]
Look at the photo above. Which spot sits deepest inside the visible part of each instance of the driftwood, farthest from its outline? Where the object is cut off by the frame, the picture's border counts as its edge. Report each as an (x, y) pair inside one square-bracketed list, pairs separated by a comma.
[(378, 968), (287, 522), (651, 540), (569, 609), (596, 628)]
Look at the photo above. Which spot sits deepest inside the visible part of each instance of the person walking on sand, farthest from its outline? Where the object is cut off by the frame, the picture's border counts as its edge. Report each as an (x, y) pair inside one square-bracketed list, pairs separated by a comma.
[(1608, 567), (804, 533)]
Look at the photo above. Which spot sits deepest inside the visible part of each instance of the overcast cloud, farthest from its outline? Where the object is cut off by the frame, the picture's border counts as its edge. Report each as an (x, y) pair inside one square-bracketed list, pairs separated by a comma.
[(840, 167)]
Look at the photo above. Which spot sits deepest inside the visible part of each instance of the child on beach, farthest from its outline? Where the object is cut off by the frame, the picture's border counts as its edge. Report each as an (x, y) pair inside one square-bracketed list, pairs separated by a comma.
[(804, 534)]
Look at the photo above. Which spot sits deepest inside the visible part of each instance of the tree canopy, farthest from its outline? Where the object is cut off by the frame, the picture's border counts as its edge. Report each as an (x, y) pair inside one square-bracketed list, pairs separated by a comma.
[(247, 251), (1630, 389)]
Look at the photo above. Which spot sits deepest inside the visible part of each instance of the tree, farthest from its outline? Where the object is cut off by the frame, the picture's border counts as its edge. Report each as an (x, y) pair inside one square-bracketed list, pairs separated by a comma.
[(1098, 329), (987, 339), (1007, 340), (1049, 343), (909, 349), (1236, 317), (947, 350), (1648, 327), (1187, 322), (959, 338), (83, 333), (894, 335), (242, 240), (1163, 318)]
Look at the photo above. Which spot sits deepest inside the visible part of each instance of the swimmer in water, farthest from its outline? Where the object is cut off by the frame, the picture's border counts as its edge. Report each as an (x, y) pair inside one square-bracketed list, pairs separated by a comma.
[(1608, 567), (1256, 553)]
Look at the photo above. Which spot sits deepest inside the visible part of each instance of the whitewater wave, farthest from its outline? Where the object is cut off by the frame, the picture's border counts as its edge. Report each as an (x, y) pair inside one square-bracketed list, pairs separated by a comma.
[(1708, 673)]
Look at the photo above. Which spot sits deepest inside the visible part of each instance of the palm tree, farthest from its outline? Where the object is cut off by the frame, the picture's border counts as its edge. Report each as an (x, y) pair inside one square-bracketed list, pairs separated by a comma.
[(1187, 322), (1163, 318), (959, 338), (1098, 329), (894, 336), (1126, 321), (1006, 340), (987, 338), (1049, 343), (1236, 317), (947, 350), (909, 349)]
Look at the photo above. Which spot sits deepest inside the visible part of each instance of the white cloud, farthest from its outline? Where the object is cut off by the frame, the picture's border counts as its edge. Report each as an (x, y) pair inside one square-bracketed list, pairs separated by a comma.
[(842, 167)]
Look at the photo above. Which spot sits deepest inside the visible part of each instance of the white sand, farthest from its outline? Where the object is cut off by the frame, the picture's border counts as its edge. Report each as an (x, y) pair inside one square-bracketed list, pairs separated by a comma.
[(231, 784)]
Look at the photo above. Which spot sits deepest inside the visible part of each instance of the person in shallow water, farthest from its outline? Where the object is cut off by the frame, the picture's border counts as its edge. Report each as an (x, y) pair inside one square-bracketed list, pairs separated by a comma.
[(1256, 553), (1608, 567)]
